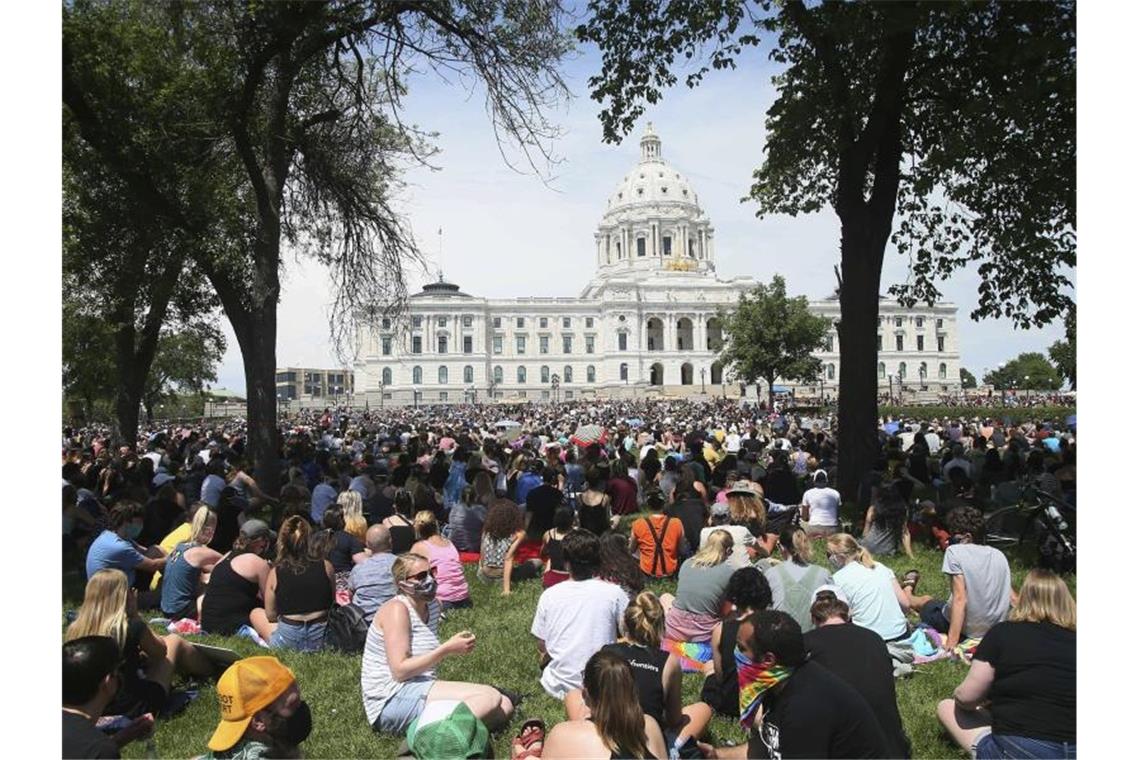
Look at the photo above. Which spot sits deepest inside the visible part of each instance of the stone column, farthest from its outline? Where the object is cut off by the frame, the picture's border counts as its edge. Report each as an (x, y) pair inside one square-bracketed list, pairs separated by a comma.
[(700, 337)]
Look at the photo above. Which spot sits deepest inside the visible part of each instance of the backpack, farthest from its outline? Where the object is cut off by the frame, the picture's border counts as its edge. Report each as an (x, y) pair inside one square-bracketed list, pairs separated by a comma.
[(347, 629)]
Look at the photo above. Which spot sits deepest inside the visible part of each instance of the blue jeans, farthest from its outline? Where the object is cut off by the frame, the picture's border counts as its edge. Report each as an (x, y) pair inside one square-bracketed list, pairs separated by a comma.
[(305, 637), (1003, 746)]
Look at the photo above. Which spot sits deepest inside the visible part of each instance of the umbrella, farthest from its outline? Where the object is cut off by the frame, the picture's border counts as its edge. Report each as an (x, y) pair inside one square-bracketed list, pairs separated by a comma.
[(891, 427), (587, 434), (635, 422), (506, 424)]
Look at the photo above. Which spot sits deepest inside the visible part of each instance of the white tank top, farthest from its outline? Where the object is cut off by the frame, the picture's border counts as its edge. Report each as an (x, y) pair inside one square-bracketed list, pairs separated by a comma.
[(376, 682)]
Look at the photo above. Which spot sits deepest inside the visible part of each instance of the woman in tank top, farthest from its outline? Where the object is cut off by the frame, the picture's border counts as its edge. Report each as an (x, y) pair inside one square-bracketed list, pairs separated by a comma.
[(402, 651), (231, 598), (400, 525), (594, 511), (299, 591), (185, 566), (451, 591), (502, 535), (795, 580), (556, 570)]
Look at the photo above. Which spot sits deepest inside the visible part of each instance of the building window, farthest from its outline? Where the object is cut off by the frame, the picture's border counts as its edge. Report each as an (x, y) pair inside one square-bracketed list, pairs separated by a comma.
[(918, 322), (692, 250), (830, 343), (468, 320), (641, 246), (898, 321), (922, 370), (882, 370), (566, 323), (546, 394), (938, 324), (543, 344), (521, 375), (520, 322), (898, 342), (569, 395), (441, 322), (920, 341), (443, 375), (624, 372), (589, 344), (441, 344), (942, 371), (589, 321), (468, 344), (520, 344), (417, 344), (386, 376), (386, 323), (621, 342), (879, 342), (589, 373), (542, 323), (544, 374), (941, 343), (386, 346), (618, 244), (468, 374), (830, 371), (417, 375), (498, 375), (667, 246), (417, 321), (902, 370), (567, 344), (567, 374), (443, 395), (497, 344), (497, 322)]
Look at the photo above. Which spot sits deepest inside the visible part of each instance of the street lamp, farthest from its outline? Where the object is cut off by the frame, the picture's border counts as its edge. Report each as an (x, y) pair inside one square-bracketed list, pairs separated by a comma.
[(702, 381), (554, 387)]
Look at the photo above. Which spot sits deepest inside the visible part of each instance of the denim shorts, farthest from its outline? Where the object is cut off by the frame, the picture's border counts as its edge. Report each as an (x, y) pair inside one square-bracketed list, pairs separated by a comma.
[(1003, 746), (403, 707), (306, 637)]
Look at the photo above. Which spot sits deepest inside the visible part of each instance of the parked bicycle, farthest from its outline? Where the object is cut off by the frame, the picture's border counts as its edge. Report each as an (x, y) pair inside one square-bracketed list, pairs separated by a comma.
[(1041, 523)]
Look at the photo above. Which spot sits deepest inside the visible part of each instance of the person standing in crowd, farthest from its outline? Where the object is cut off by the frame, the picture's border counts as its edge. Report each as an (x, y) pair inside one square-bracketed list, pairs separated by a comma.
[(858, 656), (821, 507), (701, 585), (299, 591), (795, 580), (658, 539), (371, 582), (90, 680), (115, 548), (1026, 670), (451, 586), (263, 713), (577, 617)]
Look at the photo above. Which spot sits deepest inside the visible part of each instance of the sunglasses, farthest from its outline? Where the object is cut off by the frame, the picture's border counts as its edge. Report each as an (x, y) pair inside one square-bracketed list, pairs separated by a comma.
[(422, 575)]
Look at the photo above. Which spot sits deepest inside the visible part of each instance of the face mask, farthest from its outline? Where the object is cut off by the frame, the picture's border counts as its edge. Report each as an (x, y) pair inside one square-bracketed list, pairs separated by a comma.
[(424, 589), (754, 681), (298, 726), (134, 530), (835, 562)]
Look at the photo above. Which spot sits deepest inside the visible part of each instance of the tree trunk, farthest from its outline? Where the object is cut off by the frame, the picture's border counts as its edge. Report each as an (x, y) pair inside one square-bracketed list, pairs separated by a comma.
[(257, 338)]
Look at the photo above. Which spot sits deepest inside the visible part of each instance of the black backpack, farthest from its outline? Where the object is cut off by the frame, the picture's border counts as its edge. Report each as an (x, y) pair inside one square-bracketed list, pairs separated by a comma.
[(347, 629)]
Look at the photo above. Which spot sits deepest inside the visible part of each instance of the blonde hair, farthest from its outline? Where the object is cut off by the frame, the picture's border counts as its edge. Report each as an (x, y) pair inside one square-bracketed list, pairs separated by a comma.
[(402, 567), (716, 549), (796, 543), (846, 545), (353, 506), (644, 620), (203, 518), (104, 609), (1044, 598), (425, 524), (747, 510)]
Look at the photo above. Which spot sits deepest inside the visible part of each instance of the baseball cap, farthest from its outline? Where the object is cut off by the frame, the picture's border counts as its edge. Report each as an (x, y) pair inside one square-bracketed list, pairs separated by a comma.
[(447, 730), (833, 589), (743, 487), (255, 529), (247, 686), (161, 478)]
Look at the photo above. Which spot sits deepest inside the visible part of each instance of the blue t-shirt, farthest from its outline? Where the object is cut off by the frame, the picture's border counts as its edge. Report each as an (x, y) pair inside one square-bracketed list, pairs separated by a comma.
[(212, 488), (323, 496), (527, 483), (110, 551)]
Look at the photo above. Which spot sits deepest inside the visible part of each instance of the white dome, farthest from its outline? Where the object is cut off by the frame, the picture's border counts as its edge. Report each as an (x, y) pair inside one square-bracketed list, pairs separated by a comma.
[(652, 180)]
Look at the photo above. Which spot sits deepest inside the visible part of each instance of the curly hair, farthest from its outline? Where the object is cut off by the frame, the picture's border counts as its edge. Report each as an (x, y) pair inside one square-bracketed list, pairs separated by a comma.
[(503, 519), (618, 565), (748, 589), (965, 520)]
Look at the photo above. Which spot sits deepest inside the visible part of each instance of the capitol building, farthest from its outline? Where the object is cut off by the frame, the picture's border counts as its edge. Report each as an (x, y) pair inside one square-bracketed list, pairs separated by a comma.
[(646, 324)]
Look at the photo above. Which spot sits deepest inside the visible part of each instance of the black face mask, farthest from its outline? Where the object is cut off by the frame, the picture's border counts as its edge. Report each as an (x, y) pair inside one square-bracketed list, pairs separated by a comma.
[(297, 727)]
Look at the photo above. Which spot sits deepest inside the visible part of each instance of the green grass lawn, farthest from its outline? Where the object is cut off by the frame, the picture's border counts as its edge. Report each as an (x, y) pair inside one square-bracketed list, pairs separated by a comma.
[(505, 656)]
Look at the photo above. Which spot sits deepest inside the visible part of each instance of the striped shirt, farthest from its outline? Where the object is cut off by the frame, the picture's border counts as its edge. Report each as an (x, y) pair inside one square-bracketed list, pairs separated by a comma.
[(377, 684)]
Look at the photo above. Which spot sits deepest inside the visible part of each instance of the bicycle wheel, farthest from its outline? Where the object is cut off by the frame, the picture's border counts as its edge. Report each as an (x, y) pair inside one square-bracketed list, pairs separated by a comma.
[(1005, 527)]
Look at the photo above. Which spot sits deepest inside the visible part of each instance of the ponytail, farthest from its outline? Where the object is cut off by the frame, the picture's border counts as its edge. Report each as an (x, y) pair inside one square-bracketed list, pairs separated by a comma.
[(644, 620), (795, 542), (846, 545)]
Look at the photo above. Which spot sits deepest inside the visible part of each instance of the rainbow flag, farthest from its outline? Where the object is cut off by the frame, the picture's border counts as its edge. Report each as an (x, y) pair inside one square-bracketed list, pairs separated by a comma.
[(692, 654)]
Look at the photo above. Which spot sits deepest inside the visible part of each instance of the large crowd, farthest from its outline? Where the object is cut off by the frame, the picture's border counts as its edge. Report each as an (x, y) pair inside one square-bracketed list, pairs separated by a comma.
[(363, 546)]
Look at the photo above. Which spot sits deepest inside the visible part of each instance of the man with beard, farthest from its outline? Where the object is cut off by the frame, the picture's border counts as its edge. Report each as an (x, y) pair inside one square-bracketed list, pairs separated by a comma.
[(263, 714)]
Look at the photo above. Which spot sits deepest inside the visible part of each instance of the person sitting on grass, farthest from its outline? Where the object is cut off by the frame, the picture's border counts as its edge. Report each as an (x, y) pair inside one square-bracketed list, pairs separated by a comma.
[(452, 590), (110, 608), (556, 570), (820, 507), (658, 539), (981, 591), (238, 579), (299, 591), (502, 535), (876, 599), (263, 713), (618, 565), (188, 568), (701, 584), (1026, 669), (885, 528), (795, 580), (657, 675), (371, 582), (115, 548), (748, 592), (616, 725), (577, 617), (402, 651), (90, 681)]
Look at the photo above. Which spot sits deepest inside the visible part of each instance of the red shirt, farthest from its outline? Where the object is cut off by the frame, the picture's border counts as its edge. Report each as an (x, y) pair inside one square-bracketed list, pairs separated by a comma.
[(623, 494)]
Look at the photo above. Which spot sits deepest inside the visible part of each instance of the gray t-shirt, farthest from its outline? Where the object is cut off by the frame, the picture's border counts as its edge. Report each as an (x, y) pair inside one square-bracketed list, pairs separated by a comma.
[(372, 583), (986, 573), (701, 589), (797, 603)]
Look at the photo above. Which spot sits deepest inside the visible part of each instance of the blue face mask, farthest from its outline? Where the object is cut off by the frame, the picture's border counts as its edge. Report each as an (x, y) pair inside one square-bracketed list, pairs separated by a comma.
[(134, 530)]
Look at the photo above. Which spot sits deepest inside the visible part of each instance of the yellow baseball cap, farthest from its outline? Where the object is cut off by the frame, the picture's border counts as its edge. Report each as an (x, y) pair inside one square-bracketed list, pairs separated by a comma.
[(247, 686)]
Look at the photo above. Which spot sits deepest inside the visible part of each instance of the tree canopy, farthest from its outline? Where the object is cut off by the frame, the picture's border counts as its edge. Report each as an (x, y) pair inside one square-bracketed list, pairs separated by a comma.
[(967, 378), (769, 335), (1063, 353), (1029, 371)]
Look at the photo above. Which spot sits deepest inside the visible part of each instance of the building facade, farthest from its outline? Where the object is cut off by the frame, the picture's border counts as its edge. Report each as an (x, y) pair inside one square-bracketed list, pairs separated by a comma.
[(646, 324), (295, 383)]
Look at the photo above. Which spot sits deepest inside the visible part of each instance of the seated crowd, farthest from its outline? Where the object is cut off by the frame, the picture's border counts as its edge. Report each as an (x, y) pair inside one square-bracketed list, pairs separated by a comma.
[(381, 520)]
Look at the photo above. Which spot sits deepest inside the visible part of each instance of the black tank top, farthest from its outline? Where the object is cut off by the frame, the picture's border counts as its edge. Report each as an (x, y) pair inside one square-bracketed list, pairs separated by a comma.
[(229, 599), (554, 551), (593, 517), (403, 536), (647, 665), (304, 592), (723, 693)]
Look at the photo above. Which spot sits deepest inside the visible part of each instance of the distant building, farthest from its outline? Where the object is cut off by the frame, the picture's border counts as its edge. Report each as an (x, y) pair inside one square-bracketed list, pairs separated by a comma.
[(645, 325), (306, 382)]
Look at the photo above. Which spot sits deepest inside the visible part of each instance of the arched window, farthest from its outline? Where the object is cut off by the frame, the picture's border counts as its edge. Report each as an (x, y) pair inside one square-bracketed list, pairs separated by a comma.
[(521, 374), (443, 375), (624, 371), (942, 371), (498, 375), (902, 370), (468, 374), (386, 376), (567, 374), (882, 370), (543, 374), (589, 373), (417, 375), (830, 371), (922, 370)]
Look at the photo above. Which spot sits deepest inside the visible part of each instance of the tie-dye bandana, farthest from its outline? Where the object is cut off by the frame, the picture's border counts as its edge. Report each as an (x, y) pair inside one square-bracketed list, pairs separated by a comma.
[(754, 681)]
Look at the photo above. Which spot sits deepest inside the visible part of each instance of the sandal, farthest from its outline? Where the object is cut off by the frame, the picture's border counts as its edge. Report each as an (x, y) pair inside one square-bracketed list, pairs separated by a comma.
[(910, 578), (529, 741)]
